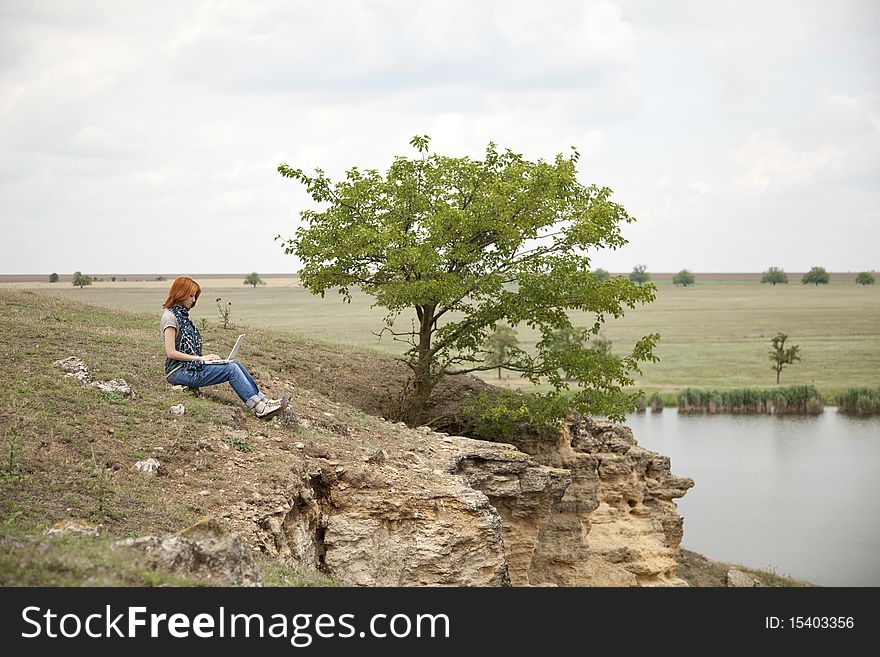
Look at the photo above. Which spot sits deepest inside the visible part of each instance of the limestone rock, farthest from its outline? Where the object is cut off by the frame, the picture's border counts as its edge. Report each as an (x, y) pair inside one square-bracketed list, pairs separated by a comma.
[(77, 369), (204, 550), (78, 527), (177, 409), (737, 578), (587, 508), (616, 524), (118, 386), (149, 466)]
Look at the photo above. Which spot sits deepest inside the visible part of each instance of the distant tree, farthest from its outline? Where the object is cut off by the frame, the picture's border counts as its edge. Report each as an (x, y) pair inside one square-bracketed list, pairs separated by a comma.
[(774, 275), (601, 275), (601, 345), (816, 276), (53, 278), (500, 346), (566, 338), (254, 279), (683, 278), (780, 356), (640, 275), (573, 338), (865, 278), (80, 280)]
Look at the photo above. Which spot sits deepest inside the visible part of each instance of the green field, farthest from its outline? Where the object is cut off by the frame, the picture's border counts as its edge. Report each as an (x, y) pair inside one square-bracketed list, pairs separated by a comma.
[(715, 334)]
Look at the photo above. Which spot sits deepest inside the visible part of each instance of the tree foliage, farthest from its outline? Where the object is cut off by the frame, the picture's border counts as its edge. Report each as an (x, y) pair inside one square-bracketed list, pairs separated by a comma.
[(500, 347), (640, 275), (254, 279), (774, 275), (865, 278), (579, 337), (467, 244), (816, 276), (81, 280), (601, 275), (683, 278), (780, 356), (53, 277)]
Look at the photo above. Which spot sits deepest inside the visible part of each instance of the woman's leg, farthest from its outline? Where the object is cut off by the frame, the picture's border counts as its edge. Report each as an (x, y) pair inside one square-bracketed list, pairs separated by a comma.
[(212, 374), (249, 378)]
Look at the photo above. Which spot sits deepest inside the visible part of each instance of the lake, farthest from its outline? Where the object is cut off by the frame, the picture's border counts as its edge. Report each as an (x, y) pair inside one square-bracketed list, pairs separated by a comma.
[(798, 495)]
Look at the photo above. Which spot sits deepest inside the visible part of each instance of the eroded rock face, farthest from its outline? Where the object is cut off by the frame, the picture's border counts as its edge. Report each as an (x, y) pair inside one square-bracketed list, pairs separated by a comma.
[(401, 521), (590, 508), (204, 550), (616, 524)]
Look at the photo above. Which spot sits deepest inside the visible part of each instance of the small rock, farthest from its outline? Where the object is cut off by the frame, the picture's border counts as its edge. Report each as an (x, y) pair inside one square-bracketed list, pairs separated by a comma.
[(379, 456), (204, 492), (79, 527), (150, 466), (204, 550), (424, 429), (737, 578), (299, 445), (177, 409)]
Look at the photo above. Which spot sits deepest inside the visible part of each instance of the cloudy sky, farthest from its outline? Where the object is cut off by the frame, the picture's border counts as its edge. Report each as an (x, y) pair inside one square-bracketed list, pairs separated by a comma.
[(141, 137)]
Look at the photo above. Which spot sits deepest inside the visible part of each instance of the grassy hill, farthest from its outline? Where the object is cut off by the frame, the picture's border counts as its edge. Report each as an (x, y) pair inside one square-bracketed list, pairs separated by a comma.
[(68, 451)]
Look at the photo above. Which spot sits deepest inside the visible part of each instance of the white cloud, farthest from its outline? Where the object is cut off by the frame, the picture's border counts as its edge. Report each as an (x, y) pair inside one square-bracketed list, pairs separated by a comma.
[(768, 161), (697, 114)]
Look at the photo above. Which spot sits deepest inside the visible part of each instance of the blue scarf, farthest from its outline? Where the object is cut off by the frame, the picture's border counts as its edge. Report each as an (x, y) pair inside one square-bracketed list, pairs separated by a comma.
[(187, 340)]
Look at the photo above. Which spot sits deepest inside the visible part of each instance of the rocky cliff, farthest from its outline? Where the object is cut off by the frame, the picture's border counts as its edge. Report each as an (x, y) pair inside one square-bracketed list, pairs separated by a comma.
[(590, 508)]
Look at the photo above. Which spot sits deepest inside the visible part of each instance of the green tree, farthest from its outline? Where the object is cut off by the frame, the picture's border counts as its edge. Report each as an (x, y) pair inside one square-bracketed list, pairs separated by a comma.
[(81, 280), (774, 275), (500, 347), (254, 279), (601, 275), (577, 337), (53, 277), (780, 356), (467, 244), (817, 276), (865, 278), (683, 278), (601, 345), (640, 275)]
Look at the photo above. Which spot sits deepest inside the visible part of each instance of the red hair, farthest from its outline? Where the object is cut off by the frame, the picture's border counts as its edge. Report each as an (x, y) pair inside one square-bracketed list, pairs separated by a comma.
[(181, 288)]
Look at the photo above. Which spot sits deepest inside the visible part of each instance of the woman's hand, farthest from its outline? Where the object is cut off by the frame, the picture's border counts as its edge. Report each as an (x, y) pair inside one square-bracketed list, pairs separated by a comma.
[(212, 357)]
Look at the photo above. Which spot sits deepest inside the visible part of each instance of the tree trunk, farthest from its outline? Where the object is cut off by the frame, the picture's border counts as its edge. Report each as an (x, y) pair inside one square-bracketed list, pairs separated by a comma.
[(424, 379)]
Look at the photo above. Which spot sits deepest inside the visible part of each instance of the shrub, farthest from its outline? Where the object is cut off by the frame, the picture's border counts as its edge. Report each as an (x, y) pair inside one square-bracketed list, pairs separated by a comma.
[(501, 417), (859, 401), (793, 399)]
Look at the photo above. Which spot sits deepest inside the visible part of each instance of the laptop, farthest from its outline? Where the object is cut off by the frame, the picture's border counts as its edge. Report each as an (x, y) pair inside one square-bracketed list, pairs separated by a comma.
[(231, 355)]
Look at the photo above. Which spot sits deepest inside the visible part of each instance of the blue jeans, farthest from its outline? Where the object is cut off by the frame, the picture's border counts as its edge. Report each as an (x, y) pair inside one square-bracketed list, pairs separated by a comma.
[(212, 374)]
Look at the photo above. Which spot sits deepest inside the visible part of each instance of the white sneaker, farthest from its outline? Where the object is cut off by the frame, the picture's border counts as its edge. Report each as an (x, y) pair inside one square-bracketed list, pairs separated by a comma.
[(271, 408)]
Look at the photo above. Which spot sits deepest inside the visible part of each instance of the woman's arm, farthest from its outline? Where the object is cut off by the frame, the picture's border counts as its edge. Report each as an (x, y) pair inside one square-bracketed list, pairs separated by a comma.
[(171, 350)]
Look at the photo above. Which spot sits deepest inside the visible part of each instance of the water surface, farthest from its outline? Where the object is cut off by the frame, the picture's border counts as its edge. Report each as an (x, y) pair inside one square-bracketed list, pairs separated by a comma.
[(799, 495)]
